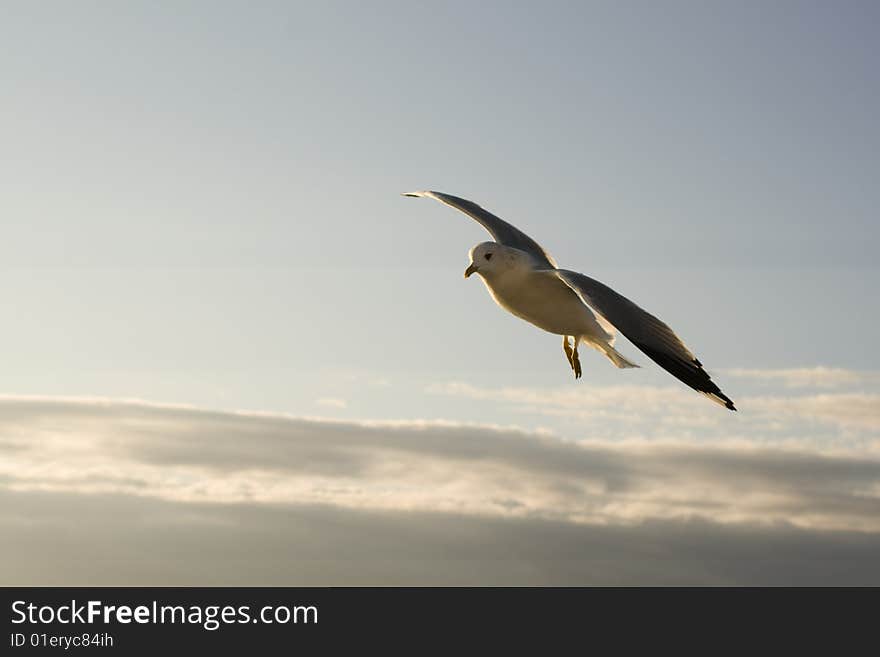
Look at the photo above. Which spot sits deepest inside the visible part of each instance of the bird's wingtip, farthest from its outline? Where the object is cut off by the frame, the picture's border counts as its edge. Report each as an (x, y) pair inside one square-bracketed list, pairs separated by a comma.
[(727, 402), (720, 398), (416, 194)]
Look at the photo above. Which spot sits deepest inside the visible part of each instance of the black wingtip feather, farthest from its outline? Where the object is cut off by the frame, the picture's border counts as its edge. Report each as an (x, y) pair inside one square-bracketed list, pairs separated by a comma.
[(690, 373)]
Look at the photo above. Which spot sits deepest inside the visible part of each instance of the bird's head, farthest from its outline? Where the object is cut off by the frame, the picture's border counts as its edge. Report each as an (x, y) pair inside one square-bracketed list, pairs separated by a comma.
[(488, 259)]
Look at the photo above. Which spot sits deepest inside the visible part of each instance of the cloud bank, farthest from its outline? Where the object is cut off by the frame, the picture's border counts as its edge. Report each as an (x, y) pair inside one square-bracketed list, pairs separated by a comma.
[(808, 377), (847, 418), (102, 491)]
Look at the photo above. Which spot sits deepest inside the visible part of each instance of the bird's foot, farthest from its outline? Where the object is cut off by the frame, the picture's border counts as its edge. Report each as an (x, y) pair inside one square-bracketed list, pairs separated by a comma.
[(569, 352)]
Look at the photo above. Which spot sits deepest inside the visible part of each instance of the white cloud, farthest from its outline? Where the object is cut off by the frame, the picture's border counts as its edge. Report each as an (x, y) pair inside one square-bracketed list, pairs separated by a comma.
[(808, 377), (851, 418), (174, 466), (331, 402), (111, 539)]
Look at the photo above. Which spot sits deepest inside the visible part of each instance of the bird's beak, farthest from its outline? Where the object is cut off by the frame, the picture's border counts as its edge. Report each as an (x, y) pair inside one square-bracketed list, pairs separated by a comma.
[(470, 270)]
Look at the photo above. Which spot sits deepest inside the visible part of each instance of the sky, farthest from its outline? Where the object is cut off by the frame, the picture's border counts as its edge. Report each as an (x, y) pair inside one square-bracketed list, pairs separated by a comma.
[(224, 326)]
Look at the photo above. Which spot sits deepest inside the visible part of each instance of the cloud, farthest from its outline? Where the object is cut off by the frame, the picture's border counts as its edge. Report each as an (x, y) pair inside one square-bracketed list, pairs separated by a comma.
[(120, 539), (209, 497), (846, 410), (331, 402), (629, 410), (808, 377)]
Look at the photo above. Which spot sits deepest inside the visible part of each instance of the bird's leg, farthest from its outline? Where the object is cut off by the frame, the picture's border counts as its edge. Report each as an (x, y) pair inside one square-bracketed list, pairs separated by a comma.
[(575, 361), (568, 351)]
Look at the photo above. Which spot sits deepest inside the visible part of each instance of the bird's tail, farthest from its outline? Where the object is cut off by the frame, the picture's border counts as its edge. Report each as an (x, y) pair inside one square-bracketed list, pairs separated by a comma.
[(615, 356)]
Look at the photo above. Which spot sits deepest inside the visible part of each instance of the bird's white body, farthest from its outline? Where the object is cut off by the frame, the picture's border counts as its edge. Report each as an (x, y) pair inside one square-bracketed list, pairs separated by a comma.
[(539, 297)]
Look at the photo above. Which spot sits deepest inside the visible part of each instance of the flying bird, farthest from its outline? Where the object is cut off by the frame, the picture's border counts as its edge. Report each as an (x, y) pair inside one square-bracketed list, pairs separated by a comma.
[(524, 279)]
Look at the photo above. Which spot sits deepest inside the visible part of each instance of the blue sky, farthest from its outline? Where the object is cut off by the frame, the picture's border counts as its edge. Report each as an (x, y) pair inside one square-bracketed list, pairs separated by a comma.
[(201, 206)]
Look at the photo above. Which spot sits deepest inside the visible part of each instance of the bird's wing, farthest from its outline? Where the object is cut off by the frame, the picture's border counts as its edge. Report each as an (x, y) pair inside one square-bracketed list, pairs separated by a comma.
[(501, 231), (648, 333)]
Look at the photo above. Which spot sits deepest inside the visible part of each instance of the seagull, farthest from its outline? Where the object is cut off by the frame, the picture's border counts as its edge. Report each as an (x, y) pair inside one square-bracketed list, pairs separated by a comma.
[(524, 279)]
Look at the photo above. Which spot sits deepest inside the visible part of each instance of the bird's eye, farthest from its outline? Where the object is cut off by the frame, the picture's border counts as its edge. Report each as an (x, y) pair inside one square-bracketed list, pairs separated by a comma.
[(488, 256)]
